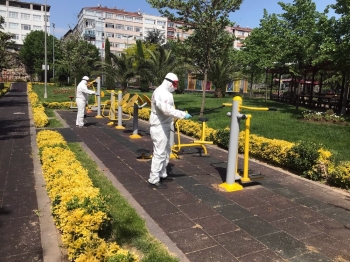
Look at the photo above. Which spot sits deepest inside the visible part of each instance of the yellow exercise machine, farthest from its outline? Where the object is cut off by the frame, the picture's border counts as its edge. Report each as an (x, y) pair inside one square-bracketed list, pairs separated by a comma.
[(232, 160), (196, 143)]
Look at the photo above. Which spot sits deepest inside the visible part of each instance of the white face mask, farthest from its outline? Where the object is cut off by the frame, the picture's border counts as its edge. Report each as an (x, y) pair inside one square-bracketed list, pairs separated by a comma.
[(171, 89)]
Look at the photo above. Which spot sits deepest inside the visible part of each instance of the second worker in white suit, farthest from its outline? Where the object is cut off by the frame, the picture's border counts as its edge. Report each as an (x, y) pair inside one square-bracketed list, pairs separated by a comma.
[(81, 99), (162, 117)]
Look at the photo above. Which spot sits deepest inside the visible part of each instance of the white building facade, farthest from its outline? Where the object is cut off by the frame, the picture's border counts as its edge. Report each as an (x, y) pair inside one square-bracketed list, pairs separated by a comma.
[(122, 28), (23, 17)]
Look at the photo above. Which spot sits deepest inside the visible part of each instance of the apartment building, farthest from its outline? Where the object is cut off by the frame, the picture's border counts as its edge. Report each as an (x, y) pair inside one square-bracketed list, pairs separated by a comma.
[(23, 17), (241, 33), (122, 28)]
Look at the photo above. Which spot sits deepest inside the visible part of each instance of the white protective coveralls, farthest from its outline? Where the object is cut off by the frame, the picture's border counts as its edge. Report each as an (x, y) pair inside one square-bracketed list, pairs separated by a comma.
[(162, 117), (81, 99)]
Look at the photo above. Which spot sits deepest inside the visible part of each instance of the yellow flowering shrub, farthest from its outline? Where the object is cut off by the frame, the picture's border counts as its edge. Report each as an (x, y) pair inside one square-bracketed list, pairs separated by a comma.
[(39, 117), (79, 210)]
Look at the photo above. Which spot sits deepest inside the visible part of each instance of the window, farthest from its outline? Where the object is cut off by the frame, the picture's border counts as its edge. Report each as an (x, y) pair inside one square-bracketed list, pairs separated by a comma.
[(15, 37), (13, 15), (120, 17), (185, 35), (89, 23), (37, 18), (23, 36), (137, 29), (161, 23), (109, 15), (99, 24), (99, 14), (149, 21), (37, 28), (118, 26), (128, 28), (240, 32), (138, 19), (3, 13), (25, 16), (128, 18), (13, 25), (90, 13), (25, 27), (170, 24), (109, 25), (170, 33), (109, 34), (118, 36)]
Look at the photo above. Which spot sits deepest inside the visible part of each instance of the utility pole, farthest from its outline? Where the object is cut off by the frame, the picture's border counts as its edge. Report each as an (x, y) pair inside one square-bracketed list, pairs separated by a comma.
[(53, 50), (45, 31)]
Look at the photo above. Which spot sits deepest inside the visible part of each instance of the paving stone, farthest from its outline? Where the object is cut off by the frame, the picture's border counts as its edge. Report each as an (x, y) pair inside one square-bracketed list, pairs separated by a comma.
[(288, 193), (312, 203), (280, 202), (161, 207), (310, 257), (265, 255), (256, 226), (283, 245), (138, 186), (334, 228), (296, 228), (239, 243), (197, 210), (149, 196), (305, 214), (192, 240), (246, 201), (233, 212), (215, 225), (329, 247), (269, 213), (182, 198), (339, 214), (214, 200), (174, 222), (215, 253), (36, 256)]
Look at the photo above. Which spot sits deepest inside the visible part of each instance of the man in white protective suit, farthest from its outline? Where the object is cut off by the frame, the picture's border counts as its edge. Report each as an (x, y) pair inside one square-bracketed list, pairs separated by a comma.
[(81, 99), (162, 117)]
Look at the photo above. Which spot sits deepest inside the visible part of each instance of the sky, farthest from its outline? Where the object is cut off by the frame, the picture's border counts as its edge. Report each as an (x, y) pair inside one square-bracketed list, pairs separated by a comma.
[(64, 12)]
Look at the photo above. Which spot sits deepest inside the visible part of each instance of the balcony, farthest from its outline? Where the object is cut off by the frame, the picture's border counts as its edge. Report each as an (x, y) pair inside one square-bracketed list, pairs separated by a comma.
[(89, 36)]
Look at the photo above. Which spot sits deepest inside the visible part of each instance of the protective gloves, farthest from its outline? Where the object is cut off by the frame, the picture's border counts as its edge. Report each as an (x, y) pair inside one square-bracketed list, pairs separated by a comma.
[(97, 94), (187, 116)]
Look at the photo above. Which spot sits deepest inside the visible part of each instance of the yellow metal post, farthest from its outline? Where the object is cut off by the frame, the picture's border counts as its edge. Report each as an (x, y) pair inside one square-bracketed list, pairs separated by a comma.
[(245, 177)]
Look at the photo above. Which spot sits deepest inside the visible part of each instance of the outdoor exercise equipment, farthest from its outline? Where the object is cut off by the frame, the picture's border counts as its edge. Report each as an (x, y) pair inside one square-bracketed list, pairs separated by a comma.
[(175, 148), (232, 161), (135, 123), (97, 98)]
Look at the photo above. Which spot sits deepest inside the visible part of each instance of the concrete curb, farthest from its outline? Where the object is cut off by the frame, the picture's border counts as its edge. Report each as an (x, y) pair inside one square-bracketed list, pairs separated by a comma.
[(154, 229), (48, 232)]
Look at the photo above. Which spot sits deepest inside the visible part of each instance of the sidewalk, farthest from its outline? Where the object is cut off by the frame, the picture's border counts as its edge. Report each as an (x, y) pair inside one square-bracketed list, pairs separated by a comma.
[(279, 218), (27, 232)]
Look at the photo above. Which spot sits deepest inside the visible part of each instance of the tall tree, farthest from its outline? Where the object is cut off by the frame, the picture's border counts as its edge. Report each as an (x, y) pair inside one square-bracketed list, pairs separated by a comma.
[(155, 36), (5, 44), (108, 61), (78, 57), (32, 53), (209, 20)]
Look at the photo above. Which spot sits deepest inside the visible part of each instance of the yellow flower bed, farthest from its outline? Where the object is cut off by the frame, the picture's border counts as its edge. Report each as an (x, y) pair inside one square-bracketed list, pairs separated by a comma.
[(79, 210), (39, 116)]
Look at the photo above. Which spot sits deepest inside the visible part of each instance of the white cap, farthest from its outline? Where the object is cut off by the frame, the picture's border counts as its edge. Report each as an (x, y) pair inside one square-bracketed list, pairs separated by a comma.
[(172, 77), (85, 78)]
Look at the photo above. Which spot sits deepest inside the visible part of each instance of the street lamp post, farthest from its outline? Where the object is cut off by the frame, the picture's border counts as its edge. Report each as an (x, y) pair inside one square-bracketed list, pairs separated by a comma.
[(45, 31), (53, 50)]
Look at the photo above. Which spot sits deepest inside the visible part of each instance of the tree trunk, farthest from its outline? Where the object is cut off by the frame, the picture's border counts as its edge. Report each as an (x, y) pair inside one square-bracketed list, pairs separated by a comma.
[(218, 93), (204, 92), (344, 102)]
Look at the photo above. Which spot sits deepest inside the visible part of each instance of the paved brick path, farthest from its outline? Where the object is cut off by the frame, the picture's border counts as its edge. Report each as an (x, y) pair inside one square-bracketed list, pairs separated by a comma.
[(279, 218)]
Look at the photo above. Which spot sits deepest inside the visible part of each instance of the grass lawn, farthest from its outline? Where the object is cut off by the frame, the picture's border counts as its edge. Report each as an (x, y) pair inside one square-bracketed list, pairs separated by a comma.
[(286, 123)]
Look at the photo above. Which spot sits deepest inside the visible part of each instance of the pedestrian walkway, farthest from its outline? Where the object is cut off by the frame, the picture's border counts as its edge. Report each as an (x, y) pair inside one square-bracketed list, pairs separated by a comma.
[(27, 232), (281, 217)]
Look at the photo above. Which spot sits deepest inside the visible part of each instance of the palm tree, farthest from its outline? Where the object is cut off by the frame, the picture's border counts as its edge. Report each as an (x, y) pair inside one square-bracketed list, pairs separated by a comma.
[(222, 71), (122, 70)]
